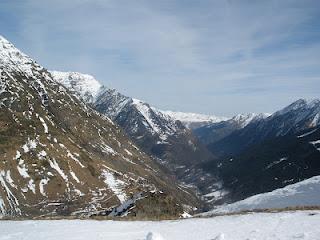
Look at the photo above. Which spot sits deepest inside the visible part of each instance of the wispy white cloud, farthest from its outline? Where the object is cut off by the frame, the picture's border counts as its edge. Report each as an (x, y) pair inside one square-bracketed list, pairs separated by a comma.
[(218, 57)]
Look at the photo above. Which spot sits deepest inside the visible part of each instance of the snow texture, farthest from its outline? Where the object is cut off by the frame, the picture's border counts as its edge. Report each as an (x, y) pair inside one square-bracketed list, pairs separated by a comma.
[(13, 58), (188, 118), (244, 119), (269, 226), (115, 185), (304, 109), (29, 145), (299, 104), (304, 193), (146, 112), (23, 171), (42, 183), (44, 124), (55, 166), (86, 85), (307, 134)]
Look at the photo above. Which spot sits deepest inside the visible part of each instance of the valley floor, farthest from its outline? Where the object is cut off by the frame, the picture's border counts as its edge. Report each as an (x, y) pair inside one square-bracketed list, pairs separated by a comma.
[(284, 226)]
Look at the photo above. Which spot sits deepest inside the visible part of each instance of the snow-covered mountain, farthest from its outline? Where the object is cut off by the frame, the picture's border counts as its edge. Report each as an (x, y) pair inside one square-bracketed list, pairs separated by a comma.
[(294, 118), (242, 120), (213, 132), (60, 157), (271, 152), (194, 120), (301, 194), (152, 121), (85, 85), (306, 113), (159, 135)]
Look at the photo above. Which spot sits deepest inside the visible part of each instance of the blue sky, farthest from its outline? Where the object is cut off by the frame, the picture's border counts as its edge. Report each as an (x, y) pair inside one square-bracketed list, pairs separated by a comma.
[(217, 57)]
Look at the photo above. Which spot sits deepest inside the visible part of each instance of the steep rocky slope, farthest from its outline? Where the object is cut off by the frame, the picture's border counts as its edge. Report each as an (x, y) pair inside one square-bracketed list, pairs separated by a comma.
[(158, 134), (60, 157), (165, 139)]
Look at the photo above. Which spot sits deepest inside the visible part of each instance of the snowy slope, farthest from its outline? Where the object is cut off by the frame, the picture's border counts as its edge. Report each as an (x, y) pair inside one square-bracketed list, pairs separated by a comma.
[(244, 119), (165, 128), (88, 88), (268, 226), (194, 120), (15, 60), (161, 136), (304, 193), (305, 108), (116, 106), (156, 133), (92, 91), (83, 84)]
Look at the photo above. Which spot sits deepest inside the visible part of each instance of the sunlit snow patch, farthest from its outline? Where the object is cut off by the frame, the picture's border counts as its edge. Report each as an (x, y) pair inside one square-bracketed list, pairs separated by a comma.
[(115, 185)]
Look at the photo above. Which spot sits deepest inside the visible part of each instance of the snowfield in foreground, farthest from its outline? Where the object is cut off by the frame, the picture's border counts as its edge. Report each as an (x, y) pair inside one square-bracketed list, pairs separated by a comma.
[(284, 226)]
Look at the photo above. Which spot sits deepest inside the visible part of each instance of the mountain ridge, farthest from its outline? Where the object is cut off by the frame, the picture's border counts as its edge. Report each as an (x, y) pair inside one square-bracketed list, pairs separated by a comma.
[(194, 120), (161, 136), (61, 157), (271, 152), (213, 132)]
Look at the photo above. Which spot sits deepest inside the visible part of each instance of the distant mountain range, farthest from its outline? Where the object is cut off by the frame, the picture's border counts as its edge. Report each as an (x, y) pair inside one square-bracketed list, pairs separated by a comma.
[(214, 132), (294, 118), (194, 120)]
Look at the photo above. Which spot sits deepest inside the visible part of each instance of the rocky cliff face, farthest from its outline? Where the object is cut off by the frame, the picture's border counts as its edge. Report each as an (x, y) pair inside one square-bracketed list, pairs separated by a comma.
[(60, 157)]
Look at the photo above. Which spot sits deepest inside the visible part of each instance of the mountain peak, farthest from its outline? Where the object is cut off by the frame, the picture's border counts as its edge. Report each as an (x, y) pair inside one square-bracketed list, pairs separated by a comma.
[(13, 60), (314, 103), (116, 101), (300, 104), (84, 85), (244, 119)]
